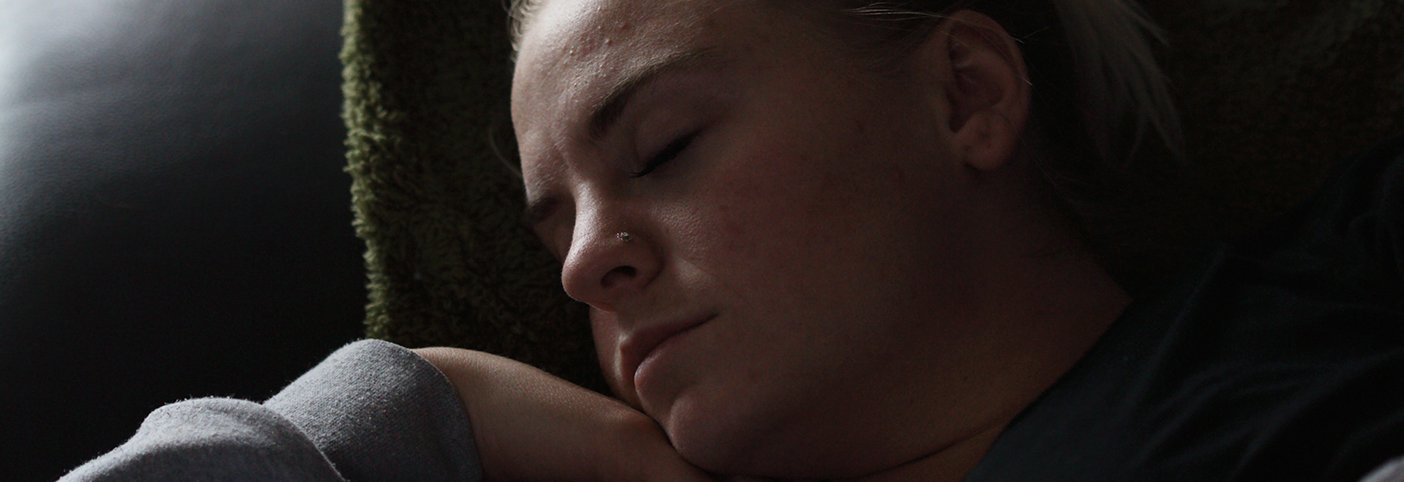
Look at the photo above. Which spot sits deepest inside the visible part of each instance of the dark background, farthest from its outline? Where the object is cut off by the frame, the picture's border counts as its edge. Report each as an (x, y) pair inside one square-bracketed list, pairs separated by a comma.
[(174, 218)]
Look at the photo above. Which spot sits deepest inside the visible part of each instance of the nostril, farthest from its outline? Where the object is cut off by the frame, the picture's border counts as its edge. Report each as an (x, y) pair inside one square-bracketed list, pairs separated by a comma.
[(619, 274)]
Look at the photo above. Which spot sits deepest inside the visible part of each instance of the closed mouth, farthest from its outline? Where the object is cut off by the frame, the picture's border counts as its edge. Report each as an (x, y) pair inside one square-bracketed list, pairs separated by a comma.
[(640, 345)]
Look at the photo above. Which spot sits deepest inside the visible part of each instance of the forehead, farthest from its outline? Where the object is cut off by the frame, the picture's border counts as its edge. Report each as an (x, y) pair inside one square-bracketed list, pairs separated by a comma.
[(573, 52), (570, 42)]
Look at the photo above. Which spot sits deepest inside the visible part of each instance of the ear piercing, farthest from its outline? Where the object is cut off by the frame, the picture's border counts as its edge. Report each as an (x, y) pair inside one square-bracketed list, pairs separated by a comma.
[(625, 237)]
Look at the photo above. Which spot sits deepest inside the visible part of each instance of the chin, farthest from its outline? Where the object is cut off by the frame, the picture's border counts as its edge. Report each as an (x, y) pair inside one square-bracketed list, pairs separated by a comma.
[(724, 436), (713, 440), (751, 436)]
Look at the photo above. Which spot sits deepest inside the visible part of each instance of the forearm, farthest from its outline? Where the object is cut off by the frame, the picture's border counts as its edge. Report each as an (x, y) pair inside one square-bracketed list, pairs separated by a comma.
[(530, 425)]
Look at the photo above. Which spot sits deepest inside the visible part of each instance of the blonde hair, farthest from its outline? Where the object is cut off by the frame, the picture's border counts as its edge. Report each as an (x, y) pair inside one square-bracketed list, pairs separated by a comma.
[(1111, 45), (1111, 42), (519, 13)]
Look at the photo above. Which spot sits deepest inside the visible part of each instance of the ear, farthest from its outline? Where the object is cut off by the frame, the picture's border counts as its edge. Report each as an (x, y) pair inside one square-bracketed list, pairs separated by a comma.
[(985, 85)]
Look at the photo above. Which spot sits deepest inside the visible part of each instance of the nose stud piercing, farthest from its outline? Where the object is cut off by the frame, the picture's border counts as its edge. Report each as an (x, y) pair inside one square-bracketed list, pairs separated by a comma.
[(625, 237)]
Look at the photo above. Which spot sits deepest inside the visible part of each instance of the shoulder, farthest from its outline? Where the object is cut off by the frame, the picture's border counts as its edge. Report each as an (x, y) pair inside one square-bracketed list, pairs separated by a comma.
[(1356, 216), (1270, 358)]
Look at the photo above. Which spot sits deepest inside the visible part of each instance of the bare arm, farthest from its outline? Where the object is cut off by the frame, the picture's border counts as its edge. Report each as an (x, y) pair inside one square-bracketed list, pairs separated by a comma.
[(529, 425)]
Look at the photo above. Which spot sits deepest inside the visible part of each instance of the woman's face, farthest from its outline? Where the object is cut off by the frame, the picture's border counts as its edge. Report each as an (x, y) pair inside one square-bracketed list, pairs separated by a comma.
[(799, 217)]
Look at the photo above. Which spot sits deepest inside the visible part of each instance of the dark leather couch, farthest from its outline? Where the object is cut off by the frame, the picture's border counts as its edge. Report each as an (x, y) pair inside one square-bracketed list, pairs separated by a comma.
[(174, 218)]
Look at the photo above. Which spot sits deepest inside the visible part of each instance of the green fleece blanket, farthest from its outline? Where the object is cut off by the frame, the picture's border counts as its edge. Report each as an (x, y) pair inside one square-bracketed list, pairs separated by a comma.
[(1272, 92)]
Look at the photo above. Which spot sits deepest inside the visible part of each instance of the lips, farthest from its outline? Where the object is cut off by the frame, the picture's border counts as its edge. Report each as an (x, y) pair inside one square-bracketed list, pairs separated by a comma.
[(639, 345)]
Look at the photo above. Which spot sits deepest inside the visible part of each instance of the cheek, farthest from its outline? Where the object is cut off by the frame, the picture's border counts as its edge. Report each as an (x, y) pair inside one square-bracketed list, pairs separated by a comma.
[(805, 172), (819, 224), (768, 204), (797, 200), (774, 234)]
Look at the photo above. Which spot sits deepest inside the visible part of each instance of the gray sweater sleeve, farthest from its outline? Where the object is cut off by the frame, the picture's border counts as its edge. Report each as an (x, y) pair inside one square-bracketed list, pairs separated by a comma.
[(372, 411)]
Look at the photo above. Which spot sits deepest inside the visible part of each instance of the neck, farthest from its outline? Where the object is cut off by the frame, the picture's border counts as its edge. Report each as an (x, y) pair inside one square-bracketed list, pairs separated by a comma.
[(1036, 301), (1079, 309), (950, 463), (1047, 301)]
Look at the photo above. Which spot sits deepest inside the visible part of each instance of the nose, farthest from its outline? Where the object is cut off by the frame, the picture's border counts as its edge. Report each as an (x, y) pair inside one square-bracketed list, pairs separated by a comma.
[(606, 266)]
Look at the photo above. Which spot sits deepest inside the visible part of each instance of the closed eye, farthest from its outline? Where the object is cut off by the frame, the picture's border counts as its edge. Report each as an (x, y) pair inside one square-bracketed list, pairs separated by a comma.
[(667, 154)]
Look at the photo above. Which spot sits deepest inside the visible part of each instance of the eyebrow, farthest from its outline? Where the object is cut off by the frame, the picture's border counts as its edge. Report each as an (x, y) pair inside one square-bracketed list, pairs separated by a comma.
[(605, 115)]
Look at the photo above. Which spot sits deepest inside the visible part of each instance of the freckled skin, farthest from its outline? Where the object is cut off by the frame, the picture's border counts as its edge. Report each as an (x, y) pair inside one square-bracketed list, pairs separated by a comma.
[(860, 272)]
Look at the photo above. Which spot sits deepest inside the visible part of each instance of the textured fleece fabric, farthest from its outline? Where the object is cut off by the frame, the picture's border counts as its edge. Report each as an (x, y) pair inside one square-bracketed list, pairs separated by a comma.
[(372, 411)]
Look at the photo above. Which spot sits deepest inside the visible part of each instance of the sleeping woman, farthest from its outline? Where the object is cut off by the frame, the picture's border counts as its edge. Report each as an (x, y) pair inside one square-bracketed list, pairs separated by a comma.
[(847, 240)]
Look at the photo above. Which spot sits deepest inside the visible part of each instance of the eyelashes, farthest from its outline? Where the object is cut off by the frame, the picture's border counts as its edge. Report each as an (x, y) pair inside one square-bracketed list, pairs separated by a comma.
[(669, 152)]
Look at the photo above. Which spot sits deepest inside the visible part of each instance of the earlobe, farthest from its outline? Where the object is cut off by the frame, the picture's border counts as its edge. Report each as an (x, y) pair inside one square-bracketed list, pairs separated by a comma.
[(987, 90), (988, 142)]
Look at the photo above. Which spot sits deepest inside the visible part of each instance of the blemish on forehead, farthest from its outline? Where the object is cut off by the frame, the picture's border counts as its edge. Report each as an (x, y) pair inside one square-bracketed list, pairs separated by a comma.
[(607, 28)]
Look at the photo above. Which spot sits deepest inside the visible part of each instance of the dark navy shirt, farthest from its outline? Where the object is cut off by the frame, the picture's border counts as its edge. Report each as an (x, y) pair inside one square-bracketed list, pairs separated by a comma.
[(1277, 357)]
